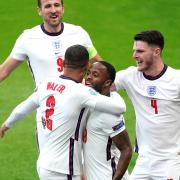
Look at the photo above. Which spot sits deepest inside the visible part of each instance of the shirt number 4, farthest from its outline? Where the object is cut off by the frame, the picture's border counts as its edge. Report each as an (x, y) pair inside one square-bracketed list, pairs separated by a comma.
[(154, 105)]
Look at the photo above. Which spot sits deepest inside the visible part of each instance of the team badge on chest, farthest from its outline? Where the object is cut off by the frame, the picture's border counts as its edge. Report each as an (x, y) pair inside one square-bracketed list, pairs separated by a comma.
[(151, 90)]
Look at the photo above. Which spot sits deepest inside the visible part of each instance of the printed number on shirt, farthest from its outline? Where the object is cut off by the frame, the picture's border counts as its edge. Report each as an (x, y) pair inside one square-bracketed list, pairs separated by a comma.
[(154, 105), (60, 64), (50, 104)]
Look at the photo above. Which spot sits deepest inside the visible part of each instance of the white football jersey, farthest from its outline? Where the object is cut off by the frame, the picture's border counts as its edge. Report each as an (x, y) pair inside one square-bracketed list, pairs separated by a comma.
[(157, 107), (100, 154), (45, 51), (62, 105)]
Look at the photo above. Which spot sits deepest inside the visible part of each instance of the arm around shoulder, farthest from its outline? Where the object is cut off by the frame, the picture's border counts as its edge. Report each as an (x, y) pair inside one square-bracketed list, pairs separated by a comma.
[(20, 111), (109, 105)]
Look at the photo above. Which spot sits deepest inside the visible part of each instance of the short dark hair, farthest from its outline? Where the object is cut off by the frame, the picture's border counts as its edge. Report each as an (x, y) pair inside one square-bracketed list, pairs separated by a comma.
[(152, 37), (76, 56), (39, 3), (110, 69)]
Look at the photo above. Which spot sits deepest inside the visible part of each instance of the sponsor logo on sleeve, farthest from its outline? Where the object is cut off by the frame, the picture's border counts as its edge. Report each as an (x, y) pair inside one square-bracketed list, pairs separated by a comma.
[(92, 92), (118, 126)]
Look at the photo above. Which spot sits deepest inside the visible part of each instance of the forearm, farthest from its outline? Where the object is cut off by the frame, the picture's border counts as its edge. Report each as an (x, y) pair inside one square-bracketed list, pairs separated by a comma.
[(21, 111), (3, 73), (7, 67), (122, 142), (123, 164), (17, 115)]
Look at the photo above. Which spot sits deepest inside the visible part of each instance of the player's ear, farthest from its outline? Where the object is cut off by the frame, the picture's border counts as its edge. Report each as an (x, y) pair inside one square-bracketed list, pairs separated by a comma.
[(63, 9), (157, 51), (39, 11), (108, 83)]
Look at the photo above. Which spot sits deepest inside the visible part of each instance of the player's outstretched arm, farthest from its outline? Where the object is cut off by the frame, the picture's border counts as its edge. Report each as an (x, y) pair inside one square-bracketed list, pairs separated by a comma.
[(122, 142), (20, 111)]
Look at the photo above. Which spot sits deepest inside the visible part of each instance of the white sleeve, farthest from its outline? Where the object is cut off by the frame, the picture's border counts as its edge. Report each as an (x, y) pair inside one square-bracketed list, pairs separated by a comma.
[(90, 98), (124, 77), (109, 105), (18, 51), (116, 96), (87, 40), (120, 76), (23, 109), (111, 124)]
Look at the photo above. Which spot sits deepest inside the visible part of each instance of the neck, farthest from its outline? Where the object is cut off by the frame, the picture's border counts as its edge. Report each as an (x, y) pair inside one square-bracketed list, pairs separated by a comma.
[(52, 29), (105, 91), (76, 75), (155, 69)]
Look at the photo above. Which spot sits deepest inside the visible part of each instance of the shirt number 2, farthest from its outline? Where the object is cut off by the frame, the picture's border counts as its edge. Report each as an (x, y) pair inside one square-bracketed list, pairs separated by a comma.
[(50, 104)]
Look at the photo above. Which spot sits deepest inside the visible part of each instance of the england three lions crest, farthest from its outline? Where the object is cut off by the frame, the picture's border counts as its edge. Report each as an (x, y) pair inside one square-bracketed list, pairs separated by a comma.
[(57, 46), (151, 90)]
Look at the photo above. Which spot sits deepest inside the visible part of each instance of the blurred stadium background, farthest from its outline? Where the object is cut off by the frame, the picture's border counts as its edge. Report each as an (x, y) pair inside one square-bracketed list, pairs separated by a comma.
[(111, 25)]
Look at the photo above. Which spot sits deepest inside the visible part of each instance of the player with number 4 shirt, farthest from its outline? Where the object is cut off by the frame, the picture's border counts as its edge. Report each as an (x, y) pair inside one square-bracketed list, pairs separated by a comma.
[(154, 89)]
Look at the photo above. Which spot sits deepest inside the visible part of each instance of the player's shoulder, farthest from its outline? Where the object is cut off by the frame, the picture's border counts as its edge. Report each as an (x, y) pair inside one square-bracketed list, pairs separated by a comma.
[(172, 76), (72, 27), (114, 95), (32, 32), (173, 71), (127, 73), (81, 88), (130, 69)]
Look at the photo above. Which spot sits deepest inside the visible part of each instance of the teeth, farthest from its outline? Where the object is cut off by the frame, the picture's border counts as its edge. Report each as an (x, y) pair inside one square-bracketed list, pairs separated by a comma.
[(88, 84), (54, 16)]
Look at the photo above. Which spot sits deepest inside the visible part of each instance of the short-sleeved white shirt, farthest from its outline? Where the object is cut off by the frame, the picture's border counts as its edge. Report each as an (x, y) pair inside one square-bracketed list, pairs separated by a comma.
[(62, 103), (44, 51), (157, 108), (100, 154)]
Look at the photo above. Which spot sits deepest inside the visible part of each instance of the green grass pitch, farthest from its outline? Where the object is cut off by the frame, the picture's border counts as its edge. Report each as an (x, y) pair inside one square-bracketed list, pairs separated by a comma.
[(111, 25)]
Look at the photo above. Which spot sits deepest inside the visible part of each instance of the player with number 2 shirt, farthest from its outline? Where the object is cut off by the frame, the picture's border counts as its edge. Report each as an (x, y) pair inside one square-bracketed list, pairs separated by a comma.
[(62, 103)]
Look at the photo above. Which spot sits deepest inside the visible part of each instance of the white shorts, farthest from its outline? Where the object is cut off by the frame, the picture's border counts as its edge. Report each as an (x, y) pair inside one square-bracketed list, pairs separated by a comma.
[(155, 169), (45, 174)]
